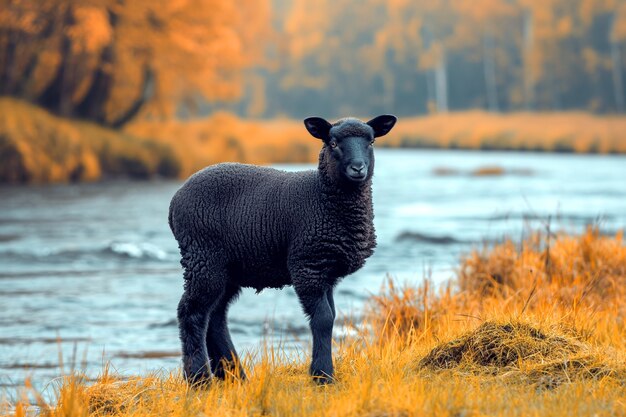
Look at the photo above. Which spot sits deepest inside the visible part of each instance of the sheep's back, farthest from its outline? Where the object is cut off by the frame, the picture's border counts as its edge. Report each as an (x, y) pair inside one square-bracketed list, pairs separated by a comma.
[(243, 212)]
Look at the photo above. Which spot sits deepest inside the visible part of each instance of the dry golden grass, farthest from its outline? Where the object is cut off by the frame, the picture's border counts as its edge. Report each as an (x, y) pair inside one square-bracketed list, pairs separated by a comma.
[(224, 137), (546, 132), (37, 147), (530, 329)]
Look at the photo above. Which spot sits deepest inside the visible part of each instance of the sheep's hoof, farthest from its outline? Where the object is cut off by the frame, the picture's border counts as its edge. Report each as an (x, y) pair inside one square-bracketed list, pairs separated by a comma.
[(199, 380), (200, 377), (322, 378), (231, 370)]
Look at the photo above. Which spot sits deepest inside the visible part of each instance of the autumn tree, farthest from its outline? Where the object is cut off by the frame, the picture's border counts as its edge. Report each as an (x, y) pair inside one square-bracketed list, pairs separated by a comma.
[(613, 15), (325, 48), (485, 29), (110, 60)]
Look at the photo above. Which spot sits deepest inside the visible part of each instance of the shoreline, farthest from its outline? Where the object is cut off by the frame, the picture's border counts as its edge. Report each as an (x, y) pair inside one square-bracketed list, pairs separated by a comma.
[(38, 147)]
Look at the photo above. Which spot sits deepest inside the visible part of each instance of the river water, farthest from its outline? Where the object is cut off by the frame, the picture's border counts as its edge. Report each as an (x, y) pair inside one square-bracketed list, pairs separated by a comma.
[(89, 273)]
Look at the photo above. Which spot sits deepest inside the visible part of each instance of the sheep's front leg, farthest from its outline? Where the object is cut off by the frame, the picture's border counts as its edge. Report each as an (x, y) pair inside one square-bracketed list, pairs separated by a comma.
[(315, 302)]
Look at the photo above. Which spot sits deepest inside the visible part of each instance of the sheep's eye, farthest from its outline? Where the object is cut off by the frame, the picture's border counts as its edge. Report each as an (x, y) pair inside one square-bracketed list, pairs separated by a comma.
[(333, 144)]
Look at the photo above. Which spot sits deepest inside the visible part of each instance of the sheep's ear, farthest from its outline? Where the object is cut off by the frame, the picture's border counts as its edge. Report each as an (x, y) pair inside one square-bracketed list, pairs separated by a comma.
[(317, 127), (382, 124)]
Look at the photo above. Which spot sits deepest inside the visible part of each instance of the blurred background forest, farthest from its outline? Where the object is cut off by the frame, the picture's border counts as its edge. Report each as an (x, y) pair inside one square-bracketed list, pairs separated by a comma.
[(102, 88)]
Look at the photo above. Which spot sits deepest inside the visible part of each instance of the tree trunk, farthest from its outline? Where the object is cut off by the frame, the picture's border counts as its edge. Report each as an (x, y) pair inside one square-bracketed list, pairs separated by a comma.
[(529, 79), (441, 84), (489, 67), (430, 90), (54, 97), (22, 86), (389, 81), (555, 90), (147, 90), (92, 106), (8, 63), (616, 60), (388, 89), (65, 107)]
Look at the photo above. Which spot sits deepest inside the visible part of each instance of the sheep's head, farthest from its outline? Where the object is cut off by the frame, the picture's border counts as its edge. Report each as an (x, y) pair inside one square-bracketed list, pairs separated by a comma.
[(348, 144)]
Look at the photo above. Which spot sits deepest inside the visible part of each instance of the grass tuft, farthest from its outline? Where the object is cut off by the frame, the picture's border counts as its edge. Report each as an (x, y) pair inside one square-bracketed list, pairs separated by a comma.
[(495, 346), (522, 352)]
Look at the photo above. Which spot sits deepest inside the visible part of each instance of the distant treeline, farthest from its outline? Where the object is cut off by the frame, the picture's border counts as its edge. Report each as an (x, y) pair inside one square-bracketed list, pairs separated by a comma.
[(365, 57), (113, 61)]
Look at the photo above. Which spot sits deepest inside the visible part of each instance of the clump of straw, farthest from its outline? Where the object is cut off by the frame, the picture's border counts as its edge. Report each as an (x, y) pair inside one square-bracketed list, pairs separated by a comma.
[(517, 349)]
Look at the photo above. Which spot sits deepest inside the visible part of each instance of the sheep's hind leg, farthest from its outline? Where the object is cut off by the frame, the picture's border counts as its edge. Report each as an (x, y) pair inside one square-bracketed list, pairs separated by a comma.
[(204, 286), (316, 302), (219, 344)]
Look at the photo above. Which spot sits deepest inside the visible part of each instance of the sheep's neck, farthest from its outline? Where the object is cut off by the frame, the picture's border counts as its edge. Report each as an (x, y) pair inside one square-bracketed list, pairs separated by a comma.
[(345, 197), (351, 205)]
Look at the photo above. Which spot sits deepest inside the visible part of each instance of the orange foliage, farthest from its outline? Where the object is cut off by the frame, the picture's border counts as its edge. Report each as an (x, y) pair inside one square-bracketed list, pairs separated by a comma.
[(107, 60), (110, 61), (529, 51)]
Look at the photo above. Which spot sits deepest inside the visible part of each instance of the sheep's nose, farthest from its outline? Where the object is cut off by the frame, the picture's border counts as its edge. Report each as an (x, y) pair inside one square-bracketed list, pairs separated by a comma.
[(357, 167)]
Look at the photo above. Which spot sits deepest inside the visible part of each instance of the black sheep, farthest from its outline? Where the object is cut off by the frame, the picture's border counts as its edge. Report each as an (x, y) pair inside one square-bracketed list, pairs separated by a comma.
[(248, 226)]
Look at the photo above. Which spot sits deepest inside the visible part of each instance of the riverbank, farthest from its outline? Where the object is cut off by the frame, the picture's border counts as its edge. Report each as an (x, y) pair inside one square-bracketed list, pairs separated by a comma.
[(533, 327), (38, 147), (562, 132), (224, 137)]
